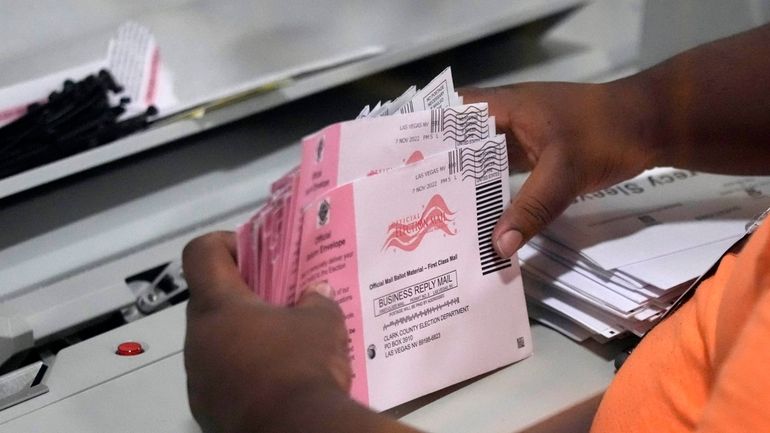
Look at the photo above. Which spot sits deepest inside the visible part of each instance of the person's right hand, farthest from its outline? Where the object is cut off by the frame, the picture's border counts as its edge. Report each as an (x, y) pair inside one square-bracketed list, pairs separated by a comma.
[(576, 139)]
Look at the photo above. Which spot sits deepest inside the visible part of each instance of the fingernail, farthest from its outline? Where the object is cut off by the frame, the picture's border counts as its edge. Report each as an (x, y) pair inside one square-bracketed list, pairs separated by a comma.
[(508, 243), (322, 289)]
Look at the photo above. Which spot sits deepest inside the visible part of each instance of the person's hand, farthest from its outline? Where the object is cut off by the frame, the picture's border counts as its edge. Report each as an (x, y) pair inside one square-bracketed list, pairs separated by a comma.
[(576, 138), (252, 367), (249, 363)]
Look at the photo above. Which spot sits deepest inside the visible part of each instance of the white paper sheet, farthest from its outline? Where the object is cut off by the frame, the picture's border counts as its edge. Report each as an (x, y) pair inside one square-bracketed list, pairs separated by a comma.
[(658, 213)]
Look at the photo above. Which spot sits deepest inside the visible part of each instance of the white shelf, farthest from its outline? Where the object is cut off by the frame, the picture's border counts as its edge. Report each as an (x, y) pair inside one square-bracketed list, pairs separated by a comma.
[(214, 51)]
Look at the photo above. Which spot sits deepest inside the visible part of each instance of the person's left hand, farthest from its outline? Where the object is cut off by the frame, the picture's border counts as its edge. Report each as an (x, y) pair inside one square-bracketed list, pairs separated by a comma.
[(247, 361)]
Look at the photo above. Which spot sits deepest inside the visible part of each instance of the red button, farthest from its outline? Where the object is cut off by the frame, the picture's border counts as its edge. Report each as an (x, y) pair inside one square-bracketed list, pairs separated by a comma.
[(130, 348)]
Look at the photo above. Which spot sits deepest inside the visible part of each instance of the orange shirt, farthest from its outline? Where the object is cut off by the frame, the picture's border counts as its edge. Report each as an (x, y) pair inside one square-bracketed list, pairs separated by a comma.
[(706, 368)]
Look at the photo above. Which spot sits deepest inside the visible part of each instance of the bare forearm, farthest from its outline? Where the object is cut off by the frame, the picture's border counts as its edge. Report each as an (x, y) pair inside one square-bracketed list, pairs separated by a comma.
[(708, 109), (330, 411)]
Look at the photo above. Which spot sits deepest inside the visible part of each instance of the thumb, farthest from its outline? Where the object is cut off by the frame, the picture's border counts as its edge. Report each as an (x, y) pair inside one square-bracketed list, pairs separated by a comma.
[(472, 95), (500, 101), (319, 299), (543, 197), (318, 295), (498, 98)]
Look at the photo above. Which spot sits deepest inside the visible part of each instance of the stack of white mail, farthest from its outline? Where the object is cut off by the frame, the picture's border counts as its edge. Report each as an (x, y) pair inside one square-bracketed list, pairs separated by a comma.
[(617, 259), (394, 210)]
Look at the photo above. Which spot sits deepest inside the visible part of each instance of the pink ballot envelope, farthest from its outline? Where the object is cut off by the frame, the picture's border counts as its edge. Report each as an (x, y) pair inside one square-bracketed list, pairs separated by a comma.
[(427, 301), (346, 151)]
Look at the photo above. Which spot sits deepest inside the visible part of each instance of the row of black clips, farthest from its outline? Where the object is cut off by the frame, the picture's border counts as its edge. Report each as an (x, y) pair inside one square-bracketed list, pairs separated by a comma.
[(75, 119)]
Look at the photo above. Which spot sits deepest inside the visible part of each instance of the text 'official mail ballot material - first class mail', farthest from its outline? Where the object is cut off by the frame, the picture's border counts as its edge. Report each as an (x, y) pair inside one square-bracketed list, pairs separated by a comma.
[(395, 211)]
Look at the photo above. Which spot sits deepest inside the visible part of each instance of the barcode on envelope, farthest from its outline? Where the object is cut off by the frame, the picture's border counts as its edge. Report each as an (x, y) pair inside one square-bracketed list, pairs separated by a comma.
[(436, 120), (408, 107), (489, 207), (453, 166), (520, 342)]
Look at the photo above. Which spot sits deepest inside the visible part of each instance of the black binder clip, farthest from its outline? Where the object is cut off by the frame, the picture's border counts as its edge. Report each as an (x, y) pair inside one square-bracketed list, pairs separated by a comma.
[(76, 118)]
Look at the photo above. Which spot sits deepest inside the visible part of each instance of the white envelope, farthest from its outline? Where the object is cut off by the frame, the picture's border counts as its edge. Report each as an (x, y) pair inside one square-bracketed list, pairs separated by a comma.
[(410, 254), (658, 213)]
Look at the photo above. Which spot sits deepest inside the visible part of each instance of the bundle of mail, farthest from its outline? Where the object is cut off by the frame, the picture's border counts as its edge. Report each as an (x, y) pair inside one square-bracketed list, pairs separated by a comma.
[(394, 210), (618, 259)]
